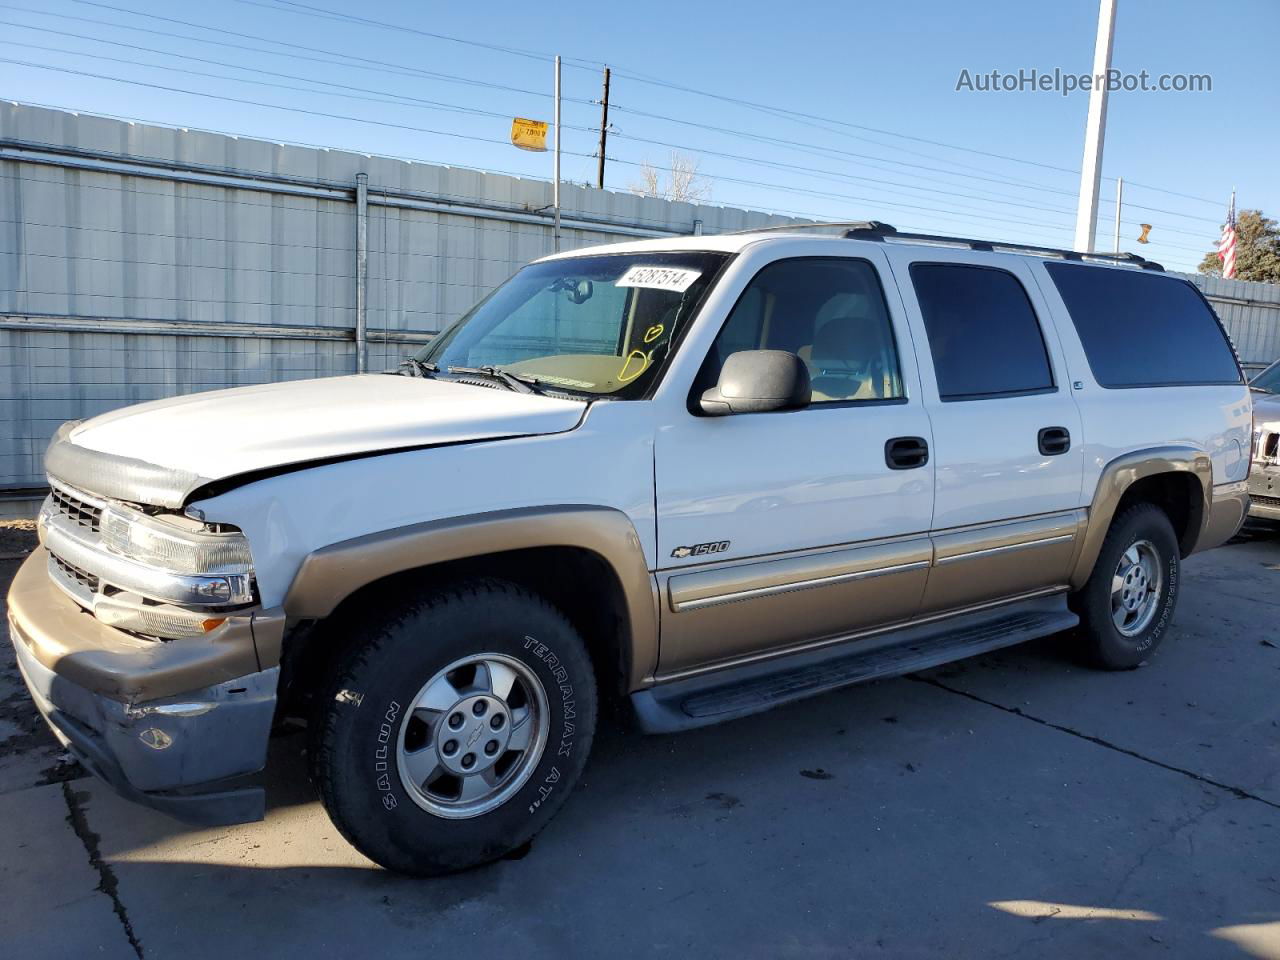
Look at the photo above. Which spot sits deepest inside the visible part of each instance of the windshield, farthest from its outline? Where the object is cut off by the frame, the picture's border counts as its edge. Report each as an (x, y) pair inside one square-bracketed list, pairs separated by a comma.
[(599, 325), (1268, 381)]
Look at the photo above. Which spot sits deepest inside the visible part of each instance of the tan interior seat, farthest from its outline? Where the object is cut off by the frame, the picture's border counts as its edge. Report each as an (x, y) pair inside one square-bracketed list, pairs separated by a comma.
[(840, 360)]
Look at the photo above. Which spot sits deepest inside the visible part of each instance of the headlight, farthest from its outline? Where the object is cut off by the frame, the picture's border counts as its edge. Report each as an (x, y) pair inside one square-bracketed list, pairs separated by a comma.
[(177, 545)]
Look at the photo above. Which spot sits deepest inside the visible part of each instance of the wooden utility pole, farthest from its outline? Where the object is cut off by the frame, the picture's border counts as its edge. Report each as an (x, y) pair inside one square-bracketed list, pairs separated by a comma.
[(604, 129)]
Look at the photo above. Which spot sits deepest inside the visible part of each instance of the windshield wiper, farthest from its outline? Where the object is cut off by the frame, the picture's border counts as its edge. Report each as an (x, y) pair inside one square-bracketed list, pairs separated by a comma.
[(520, 383), (419, 368)]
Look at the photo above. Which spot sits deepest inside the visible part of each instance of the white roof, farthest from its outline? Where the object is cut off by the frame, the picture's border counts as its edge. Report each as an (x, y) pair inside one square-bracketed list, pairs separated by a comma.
[(736, 242), (718, 242)]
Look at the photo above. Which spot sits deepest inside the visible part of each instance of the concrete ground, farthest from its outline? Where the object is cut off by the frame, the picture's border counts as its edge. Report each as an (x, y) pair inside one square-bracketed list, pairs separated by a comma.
[(1015, 805)]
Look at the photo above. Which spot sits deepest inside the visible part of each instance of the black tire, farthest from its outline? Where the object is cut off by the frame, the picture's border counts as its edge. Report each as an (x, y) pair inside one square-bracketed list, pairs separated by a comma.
[(355, 732), (1105, 645)]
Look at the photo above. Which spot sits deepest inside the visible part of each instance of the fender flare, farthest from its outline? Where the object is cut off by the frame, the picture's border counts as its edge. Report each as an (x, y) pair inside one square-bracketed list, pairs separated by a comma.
[(1124, 471), (331, 574)]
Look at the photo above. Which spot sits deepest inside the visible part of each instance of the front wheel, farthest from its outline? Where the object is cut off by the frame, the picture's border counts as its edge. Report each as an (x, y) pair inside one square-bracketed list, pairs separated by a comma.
[(452, 732), (1127, 604)]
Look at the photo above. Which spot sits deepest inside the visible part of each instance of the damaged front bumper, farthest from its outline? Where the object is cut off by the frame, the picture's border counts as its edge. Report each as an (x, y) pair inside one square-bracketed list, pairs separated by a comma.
[(180, 726)]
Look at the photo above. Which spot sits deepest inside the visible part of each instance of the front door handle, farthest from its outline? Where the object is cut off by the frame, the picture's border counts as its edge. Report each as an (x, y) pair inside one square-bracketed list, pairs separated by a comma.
[(906, 453), (1054, 441)]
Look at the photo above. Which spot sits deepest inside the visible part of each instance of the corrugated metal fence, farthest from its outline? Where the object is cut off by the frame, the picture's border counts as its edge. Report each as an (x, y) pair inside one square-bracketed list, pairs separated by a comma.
[(1251, 314), (139, 262)]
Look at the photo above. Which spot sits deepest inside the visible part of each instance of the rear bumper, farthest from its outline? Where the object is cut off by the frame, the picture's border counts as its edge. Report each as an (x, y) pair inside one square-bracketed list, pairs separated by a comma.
[(179, 726), (1264, 491)]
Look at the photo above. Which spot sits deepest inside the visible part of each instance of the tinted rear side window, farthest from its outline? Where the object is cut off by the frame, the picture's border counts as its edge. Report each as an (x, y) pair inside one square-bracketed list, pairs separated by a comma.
[(983, 333), (1144, 330)]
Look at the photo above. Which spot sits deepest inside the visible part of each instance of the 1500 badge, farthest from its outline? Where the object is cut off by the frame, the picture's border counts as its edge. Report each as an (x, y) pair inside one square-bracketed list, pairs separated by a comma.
[(700, 549)]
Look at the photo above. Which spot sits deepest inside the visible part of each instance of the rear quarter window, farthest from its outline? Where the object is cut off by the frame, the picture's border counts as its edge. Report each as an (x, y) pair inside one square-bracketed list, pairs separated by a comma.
[(1144, 330)]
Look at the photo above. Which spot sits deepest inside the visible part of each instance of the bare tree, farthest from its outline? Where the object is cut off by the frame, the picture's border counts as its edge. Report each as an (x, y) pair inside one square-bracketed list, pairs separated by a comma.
[(681, 182)]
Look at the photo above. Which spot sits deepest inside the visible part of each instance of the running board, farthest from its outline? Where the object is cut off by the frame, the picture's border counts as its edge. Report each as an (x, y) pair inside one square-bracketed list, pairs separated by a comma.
[(741, 691)]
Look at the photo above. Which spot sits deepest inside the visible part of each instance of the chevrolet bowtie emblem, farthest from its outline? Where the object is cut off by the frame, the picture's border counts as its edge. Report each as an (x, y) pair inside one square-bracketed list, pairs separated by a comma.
[(155, 738)]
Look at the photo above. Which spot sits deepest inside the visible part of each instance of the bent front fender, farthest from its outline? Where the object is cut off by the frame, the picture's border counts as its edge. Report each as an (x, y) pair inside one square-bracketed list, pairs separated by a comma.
[(331, 574)]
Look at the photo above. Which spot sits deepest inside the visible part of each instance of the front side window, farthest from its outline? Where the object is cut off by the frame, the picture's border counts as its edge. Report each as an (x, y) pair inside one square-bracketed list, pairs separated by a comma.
[(983, 333), (829, 312), (596, 325)]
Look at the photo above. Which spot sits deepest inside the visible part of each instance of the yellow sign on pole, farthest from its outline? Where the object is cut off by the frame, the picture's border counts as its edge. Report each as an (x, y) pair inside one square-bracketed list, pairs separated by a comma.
[(529, 134)]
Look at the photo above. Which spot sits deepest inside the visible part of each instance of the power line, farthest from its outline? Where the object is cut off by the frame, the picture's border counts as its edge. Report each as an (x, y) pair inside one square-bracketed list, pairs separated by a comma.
[(399, 99), (472, 137), (401, 28), (258, 103), (827, 152), (345, 59), (814, 149), (937, 211), (308, 9), (784, 112), (433, 104), (400, 70), (345, 17), (831, 174), (438, 105), (962, 214), (250, 36)]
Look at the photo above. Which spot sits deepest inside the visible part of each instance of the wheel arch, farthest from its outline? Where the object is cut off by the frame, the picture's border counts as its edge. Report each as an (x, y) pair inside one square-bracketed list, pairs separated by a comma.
[(1176, 478), (569, 554)]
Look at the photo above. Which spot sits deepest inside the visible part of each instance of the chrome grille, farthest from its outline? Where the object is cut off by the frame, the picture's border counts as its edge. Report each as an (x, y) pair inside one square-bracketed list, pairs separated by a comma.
[(80, 585), (1265, 501), (82, 512), (86, 580)]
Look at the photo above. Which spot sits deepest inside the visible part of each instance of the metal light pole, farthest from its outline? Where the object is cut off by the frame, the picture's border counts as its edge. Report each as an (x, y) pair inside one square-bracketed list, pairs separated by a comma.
[(1091, 168), (362, 272), (1119, 203), (555, 163)]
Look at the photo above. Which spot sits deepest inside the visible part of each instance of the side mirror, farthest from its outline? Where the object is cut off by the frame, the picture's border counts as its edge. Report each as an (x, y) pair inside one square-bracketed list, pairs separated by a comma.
[(757, 381)]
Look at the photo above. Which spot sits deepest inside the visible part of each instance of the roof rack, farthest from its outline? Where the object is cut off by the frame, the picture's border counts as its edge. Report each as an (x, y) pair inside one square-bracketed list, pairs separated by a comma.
[(849, 225), (875, 230)]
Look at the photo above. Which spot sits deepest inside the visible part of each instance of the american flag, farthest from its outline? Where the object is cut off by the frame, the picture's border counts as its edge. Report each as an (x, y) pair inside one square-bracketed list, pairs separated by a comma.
[(1227, 245)]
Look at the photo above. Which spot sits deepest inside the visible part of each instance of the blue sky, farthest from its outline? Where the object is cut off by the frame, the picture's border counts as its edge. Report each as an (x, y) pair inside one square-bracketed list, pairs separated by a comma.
[(887, 135)]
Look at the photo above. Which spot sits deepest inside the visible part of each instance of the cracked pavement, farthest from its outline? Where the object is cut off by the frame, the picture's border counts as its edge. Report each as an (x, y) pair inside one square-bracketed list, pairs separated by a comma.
[(1013, 805)]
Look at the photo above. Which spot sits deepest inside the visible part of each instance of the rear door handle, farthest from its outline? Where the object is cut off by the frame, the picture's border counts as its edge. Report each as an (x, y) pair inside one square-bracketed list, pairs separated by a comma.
[(1054, 441), (906, 453)]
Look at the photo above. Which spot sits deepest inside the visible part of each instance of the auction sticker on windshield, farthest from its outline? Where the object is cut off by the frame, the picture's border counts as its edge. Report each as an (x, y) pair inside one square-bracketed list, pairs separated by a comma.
[(659, 278)]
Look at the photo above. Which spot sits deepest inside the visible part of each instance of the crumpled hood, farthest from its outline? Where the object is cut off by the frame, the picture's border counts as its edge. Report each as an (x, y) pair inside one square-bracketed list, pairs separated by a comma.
[(160, 452)]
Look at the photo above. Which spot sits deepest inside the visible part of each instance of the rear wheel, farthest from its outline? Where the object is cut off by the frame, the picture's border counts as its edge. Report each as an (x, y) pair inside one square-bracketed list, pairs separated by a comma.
[(1127, 605), (452, 732)]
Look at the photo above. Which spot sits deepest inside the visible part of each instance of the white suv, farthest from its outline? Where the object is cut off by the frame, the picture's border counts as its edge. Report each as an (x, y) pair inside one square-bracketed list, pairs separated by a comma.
[(707, 475)]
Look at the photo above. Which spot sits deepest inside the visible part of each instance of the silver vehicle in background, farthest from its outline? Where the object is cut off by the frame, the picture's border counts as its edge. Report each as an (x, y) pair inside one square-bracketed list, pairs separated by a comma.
[(1264, 476)]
